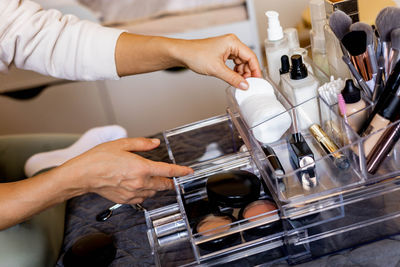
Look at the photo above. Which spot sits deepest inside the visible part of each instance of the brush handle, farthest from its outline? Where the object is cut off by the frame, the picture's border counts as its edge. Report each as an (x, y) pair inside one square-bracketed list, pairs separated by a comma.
[(378, 85), (385, 54), (372, 58), (359, 64), (393, 56)]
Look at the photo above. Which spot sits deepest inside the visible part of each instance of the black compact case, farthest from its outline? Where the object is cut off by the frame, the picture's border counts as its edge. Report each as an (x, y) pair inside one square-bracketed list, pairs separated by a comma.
[(233, 189)]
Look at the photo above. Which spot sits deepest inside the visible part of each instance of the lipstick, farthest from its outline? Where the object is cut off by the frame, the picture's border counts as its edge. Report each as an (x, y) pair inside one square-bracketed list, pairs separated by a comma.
[(339, 159)]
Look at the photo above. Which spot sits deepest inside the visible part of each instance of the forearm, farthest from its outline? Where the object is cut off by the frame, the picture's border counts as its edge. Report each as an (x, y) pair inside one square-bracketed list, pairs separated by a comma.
[(21, 200), (140, 53)]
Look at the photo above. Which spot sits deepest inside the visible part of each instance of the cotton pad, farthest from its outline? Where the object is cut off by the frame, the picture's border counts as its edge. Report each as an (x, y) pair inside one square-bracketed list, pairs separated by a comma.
[(257, 86), (260, 112)]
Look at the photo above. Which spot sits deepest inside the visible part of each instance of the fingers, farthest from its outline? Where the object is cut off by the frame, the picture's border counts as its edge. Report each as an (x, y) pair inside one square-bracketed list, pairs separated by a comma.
[(247, 56), (232, 77), (137, 144), (168, 170), (246, 64)]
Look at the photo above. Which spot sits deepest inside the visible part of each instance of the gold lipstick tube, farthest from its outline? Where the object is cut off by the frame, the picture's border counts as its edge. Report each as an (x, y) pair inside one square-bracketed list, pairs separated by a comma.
[(329, 146)]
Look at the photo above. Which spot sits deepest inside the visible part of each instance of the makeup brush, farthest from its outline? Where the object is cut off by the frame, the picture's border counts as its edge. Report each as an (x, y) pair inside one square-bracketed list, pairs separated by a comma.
[(394, 51), (386, 21), (340, 23), (361, 26), (356, 44)]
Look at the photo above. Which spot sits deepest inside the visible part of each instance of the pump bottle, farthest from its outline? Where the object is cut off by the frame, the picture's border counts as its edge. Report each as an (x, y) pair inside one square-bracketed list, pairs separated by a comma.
[(303, 87), (276, 45)]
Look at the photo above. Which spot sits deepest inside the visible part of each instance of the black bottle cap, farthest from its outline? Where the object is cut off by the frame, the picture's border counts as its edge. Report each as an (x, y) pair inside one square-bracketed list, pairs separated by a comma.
[(298, 70), (285, 66), (351, 94)]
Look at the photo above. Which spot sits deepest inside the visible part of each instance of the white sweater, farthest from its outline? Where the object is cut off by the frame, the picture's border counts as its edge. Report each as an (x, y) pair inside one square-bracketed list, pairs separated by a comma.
[(47, 42)]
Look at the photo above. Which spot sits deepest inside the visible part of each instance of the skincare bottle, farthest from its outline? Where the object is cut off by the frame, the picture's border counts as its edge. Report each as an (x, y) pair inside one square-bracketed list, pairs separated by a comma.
[(317, 36), (293, 39), (388, 114), (303, 86), (276, 45), (354, 104)]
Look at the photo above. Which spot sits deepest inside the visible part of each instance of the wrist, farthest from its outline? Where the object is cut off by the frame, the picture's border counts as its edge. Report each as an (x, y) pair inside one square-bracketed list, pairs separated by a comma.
[(71, 181)]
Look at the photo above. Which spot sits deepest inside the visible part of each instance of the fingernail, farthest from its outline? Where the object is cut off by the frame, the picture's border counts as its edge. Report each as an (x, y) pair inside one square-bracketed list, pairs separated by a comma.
[(155, 140), (243, 86)]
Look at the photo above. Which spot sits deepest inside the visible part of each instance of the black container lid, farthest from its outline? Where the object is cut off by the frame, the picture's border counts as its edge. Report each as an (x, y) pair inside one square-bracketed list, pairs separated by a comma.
[(233, 188), (285, 66), (351, 93), (298, 70)]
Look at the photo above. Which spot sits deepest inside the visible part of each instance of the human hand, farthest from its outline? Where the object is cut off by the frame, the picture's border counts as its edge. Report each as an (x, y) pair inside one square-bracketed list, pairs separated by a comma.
[(112, 171), (208, 56)]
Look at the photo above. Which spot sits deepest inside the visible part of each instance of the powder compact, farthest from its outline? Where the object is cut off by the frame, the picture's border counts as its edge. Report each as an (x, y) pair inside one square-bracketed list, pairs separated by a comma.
[(258, 207), (213, 224), (233, 189)]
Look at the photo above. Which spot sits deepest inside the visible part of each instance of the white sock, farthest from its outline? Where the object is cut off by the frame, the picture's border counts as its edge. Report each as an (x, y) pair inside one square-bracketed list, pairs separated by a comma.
[(88, 140)]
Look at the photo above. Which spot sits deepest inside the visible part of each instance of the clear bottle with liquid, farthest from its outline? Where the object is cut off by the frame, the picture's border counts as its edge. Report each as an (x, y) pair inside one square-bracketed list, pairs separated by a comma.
[(276, 45)]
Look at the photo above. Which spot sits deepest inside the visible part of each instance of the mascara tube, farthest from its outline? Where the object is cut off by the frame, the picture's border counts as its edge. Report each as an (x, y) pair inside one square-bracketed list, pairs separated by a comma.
[(382, 148), (340, 160), (274, 160)]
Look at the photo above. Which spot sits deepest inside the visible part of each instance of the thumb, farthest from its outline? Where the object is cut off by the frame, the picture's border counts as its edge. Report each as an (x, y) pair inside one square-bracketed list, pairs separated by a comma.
[(137, 144), (233, 78)]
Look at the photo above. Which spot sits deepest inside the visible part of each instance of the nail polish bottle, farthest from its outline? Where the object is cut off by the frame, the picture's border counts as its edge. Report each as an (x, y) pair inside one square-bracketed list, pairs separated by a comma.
[(303, 86), (354, 103), (276, 45)]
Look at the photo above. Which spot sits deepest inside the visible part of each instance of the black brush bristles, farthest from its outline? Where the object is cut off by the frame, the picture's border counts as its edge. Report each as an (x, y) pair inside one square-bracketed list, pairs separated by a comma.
[(387, 20), (340, 23), (355, 42), (395, 38), (361, 26)]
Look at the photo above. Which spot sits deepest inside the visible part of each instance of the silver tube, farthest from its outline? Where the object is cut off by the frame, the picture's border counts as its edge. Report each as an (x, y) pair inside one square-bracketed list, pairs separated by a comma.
[(170, 228), (168, 219), (167, 240)]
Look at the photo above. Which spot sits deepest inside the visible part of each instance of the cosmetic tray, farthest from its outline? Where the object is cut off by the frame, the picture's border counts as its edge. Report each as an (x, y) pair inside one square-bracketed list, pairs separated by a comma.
[(347, 207)]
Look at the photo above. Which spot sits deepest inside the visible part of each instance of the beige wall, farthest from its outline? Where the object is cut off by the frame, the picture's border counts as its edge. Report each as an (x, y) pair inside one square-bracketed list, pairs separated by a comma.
[(290, 13)]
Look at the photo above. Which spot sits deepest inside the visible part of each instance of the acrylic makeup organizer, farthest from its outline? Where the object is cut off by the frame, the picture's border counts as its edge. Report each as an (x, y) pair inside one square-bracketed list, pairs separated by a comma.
[(347, 207)]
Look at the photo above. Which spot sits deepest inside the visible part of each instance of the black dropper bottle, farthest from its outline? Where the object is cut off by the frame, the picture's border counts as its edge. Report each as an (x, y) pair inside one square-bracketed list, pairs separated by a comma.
[(298, 70), (285, 66), (351, 94)]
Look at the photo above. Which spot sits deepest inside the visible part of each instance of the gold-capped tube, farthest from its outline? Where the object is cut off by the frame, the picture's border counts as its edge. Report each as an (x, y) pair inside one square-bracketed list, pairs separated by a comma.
[(329, 146)]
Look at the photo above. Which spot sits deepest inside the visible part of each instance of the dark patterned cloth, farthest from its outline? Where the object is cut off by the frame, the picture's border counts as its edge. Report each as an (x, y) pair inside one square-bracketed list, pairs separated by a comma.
[(127, 225)]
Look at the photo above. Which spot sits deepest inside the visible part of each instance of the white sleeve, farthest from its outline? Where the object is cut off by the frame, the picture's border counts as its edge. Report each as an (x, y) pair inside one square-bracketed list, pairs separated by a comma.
[(47, 42)]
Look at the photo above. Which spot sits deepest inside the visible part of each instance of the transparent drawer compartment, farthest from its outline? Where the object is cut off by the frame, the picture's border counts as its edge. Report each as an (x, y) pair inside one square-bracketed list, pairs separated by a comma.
[(371, 213), (202, 141), (331, 180), (175, 229)]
